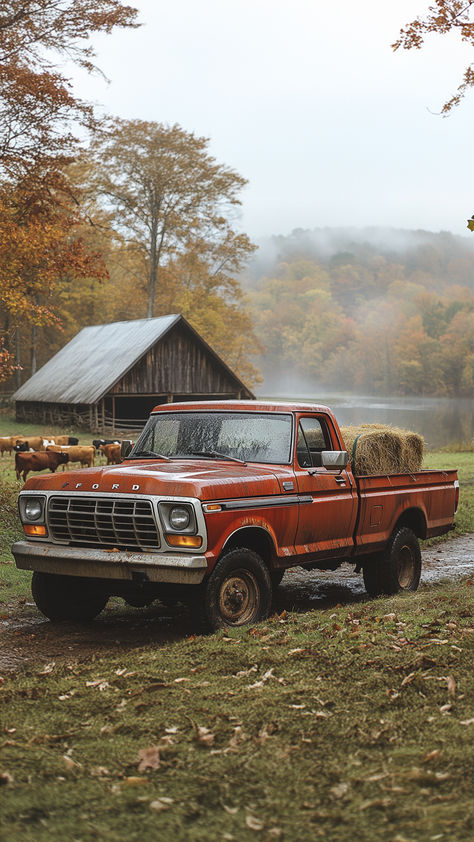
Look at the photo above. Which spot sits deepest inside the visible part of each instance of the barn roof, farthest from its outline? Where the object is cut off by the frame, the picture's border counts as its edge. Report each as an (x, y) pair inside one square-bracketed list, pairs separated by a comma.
[(90, 364)]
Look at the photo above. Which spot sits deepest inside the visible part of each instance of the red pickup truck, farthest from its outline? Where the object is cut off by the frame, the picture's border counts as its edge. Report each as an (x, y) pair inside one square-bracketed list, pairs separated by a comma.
[(213, 503)]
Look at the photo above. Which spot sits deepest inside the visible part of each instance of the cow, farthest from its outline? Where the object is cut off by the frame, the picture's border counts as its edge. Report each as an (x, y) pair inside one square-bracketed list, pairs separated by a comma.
[(98, 442), (62, 440), (72, 440), (34, 442), (6, 444), (22, 448), (82, 453), (26, 462), (112, 453)]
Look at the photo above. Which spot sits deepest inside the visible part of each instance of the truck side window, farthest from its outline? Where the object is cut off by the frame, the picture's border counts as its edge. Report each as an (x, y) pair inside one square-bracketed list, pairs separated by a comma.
[(312, 439)]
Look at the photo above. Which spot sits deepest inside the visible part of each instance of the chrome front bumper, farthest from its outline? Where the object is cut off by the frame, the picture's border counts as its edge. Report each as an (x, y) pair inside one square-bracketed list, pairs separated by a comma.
[(176, 568)]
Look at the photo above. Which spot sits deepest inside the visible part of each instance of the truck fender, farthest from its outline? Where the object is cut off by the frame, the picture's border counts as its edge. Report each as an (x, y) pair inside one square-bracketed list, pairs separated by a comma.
[(258, 538)]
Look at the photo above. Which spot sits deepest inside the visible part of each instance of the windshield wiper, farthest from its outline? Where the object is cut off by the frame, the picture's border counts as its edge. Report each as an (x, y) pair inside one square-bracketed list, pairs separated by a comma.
[(214, 454), (149, 454)]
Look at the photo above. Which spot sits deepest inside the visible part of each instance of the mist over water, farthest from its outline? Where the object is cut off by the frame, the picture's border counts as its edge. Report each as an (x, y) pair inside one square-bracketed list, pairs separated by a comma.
[(441, 421)]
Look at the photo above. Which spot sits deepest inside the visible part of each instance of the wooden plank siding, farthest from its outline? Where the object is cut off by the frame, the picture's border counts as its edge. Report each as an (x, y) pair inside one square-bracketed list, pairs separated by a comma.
[(178, 365)]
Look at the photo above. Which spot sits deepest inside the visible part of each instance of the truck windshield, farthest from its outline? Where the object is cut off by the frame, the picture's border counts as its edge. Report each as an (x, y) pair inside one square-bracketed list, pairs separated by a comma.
[(247, 436)]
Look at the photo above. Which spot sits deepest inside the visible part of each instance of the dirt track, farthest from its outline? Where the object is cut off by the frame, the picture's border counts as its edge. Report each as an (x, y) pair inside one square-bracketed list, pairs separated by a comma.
[(28, 640)]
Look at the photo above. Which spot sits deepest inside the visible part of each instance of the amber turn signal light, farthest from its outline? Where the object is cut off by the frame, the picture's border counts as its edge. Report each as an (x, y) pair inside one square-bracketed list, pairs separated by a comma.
[(184, 540), (32, 529)]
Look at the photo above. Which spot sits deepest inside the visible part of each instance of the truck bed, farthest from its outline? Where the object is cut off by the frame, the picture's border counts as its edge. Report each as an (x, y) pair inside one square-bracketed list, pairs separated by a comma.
[(426, 499)]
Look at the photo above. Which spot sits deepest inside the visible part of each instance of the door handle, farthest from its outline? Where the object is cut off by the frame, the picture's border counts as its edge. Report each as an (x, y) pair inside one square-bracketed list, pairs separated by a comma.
[(340, 480)]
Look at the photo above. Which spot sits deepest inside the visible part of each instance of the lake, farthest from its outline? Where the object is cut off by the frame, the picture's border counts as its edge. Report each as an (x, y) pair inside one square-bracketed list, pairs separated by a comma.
[(442, 421)]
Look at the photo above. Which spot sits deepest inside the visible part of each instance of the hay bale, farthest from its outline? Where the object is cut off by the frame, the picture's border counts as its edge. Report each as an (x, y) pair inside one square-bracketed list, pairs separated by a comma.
[(380, 449)]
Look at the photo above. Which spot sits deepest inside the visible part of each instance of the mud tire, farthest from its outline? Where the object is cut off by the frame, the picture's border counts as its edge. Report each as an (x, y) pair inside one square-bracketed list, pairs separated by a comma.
[(398, 569), (237, 593), (72, 598)]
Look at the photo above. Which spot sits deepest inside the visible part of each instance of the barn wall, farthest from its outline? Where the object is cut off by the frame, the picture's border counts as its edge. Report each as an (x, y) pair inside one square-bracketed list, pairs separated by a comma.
[(178, 365)]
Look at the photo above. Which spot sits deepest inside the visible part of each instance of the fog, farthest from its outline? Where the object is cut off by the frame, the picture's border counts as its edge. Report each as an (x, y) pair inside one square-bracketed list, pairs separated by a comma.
[(308, 101), (321, 244)]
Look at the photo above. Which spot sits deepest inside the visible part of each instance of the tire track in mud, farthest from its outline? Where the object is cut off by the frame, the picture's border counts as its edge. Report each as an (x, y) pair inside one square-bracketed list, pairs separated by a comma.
[(28, 640)]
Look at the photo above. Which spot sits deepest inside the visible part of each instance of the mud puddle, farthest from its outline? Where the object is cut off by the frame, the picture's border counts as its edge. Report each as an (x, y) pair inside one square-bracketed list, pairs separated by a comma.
[(28, 640)]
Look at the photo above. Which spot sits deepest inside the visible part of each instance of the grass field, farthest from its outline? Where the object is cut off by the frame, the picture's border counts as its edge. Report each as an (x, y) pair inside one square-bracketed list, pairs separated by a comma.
[(343, 724), (347, 724)]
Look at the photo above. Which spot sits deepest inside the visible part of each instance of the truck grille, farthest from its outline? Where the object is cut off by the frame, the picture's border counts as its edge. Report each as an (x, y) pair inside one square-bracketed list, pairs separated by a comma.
[(103, 521)]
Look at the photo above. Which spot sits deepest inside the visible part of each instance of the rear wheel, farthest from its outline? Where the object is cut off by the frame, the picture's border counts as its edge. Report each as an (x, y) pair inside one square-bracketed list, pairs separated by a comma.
[(67, 597), (398, 569), (237, 593)]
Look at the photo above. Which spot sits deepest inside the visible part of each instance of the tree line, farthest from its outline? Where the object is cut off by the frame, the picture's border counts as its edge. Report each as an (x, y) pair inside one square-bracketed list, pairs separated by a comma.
[(349, 314)]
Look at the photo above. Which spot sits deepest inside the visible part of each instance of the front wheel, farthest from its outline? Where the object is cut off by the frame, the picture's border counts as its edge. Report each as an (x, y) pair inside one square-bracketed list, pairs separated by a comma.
[(398, 569), (237, 593), (67, 597)]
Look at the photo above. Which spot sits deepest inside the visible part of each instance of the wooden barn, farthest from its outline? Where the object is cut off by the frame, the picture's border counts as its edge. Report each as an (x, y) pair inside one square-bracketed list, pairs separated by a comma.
[(111, 376)]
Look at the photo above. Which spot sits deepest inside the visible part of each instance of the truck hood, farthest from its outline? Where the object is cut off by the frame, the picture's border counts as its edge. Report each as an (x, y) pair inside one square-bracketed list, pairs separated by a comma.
[(203, 479)]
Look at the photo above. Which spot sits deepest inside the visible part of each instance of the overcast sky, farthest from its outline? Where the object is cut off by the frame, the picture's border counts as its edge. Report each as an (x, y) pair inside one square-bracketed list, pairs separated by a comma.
[(305, 99)]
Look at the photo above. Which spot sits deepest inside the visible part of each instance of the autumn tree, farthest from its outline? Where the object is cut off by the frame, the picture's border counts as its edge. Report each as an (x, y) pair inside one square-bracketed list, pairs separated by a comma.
[(39, 121), (38, 108), (38, 246), (170, 198)]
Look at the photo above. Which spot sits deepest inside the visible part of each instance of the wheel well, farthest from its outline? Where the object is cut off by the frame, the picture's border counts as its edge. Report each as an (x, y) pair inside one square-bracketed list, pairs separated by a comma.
[(253, 538), (413, 519)]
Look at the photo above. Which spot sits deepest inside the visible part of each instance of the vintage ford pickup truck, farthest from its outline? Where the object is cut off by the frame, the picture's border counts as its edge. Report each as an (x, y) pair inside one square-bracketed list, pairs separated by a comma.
[(213, 503)]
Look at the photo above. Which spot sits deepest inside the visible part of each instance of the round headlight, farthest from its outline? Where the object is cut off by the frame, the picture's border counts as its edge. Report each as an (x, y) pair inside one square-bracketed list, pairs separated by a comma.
[(179, 518), (33, 509)]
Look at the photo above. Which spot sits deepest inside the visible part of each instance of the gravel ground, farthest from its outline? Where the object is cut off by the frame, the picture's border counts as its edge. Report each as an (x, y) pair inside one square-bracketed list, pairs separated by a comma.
[(29, 641)]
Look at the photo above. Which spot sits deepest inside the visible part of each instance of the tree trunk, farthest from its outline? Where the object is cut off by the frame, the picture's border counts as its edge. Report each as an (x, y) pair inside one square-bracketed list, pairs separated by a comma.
[(153, 273), (34, 340), (17, 358)]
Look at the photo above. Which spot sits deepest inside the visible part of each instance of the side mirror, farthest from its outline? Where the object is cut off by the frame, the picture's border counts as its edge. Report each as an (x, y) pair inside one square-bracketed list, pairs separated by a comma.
[(125, 448), (335, 460)]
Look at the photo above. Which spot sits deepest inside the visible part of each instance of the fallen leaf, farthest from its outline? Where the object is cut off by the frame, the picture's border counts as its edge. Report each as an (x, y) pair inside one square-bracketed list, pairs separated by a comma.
[(231, 810), (377, 802), (254, 823), (268, 674), (466, 722), (432, 755), (205, 736), (148, 758), (133, 780), (451, 686), (71, 765), (408, 679), (340, 790), (48, 668), (99, 772), (161, 804)]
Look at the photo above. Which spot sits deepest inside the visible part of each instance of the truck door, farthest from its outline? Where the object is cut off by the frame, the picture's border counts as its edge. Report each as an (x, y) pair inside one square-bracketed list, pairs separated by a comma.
[(328, 500)]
